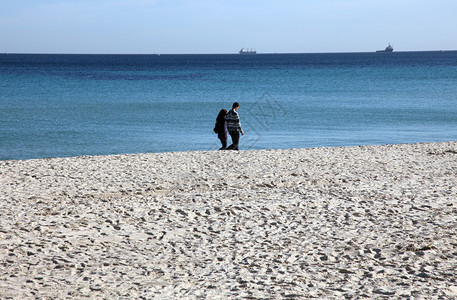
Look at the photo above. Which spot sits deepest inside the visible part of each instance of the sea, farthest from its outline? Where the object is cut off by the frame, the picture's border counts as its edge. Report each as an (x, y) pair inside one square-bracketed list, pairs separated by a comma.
[(62, 105)]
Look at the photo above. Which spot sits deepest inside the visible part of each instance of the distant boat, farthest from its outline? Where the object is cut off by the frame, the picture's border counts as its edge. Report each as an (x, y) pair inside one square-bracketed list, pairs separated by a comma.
[(388, 49), (246, 51)]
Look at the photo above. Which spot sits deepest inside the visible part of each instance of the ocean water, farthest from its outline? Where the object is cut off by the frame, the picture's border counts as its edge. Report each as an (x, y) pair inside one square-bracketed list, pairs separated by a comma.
[(72, 105)]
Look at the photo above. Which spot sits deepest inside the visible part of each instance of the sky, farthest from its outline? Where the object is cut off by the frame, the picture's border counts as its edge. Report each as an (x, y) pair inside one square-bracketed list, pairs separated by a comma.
[(225, 26)]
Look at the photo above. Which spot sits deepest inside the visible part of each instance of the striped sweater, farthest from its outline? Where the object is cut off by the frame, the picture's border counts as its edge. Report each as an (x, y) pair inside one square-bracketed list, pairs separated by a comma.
[(233, 121)]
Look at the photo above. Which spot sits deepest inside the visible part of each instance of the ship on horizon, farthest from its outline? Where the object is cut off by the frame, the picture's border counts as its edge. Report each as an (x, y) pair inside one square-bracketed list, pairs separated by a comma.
[(389, 48), (247, 51)]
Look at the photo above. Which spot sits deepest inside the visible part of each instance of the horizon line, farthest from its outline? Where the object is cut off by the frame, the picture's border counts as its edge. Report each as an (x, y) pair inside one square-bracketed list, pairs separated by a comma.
[(224, 53)]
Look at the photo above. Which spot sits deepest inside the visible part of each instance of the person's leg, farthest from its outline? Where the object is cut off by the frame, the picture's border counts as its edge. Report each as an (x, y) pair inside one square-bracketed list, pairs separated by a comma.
[(235, 140), (224, 143), (231, 146)]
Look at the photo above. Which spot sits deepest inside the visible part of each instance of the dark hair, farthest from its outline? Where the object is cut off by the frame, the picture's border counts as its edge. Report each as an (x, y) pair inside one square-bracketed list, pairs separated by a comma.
[(221, 114), (236, 104)]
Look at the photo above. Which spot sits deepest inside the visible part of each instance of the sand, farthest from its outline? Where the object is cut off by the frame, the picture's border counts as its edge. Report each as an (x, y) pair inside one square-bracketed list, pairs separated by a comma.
[(362, 222)]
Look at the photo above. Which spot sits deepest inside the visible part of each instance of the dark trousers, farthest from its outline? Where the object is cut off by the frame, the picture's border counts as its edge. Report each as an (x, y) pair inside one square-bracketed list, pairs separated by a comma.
[(235, 140), (223, 142)]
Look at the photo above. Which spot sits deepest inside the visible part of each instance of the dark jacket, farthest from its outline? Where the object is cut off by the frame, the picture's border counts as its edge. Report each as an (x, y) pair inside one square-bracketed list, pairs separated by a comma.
[(221, 127)]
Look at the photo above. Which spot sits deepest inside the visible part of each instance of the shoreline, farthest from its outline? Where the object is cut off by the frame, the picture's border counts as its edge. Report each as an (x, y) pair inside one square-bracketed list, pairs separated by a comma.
[(359, 221), (216, 150)]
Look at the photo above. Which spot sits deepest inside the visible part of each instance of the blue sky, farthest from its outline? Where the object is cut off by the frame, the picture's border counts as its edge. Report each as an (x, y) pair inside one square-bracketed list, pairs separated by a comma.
[(224, 26)]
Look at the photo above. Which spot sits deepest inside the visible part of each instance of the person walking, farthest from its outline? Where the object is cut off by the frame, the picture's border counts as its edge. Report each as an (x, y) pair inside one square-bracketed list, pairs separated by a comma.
[(234, 126), (221, 128)]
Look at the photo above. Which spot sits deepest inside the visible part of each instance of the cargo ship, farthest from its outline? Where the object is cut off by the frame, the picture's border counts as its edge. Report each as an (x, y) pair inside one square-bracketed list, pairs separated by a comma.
[(246, 51), (388, 49)]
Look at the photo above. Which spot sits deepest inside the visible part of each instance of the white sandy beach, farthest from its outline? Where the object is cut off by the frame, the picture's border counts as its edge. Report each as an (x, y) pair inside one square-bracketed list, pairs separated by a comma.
[(355, 222)]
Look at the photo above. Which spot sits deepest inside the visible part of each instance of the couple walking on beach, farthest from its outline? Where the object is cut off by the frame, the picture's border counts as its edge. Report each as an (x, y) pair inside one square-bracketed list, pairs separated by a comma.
[(229, 122)]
